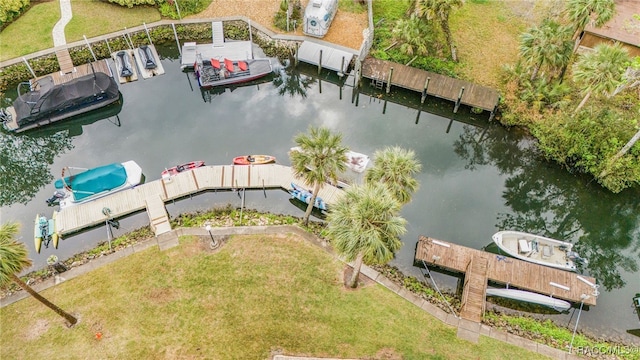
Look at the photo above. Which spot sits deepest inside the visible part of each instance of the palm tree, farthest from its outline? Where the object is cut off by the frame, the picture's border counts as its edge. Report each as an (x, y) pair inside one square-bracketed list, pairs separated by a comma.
[(547, 46), (396, 167), (413, 34), (364, 226), (600, 70), (13, 259), (321, 158), (440, 10), (582, 12)]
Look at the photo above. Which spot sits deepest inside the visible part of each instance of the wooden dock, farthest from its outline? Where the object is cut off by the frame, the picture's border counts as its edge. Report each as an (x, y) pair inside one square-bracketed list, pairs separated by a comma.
[(78, 71), (429, 83), (64, 60), (151, 196), (480, 267)]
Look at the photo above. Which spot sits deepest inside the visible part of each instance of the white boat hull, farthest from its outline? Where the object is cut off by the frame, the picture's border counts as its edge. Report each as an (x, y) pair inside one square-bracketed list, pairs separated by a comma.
[(536, 249), (530, 297), (134, 177)]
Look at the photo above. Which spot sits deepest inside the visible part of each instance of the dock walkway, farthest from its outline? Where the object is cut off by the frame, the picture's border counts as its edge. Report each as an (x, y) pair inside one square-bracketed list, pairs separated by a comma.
[(516, 273), (429, 83), (151, 196)]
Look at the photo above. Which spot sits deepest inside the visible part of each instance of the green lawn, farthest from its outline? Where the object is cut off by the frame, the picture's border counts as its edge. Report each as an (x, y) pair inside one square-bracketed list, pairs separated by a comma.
[(255, 296), (32, 31)]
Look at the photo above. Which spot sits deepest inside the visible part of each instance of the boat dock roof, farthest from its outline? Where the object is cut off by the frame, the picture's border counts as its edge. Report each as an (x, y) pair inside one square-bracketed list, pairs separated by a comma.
[(333, 57)]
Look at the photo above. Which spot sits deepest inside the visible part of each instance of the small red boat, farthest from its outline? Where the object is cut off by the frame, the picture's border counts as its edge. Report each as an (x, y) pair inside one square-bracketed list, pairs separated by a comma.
[(253, 160), (183, 167)]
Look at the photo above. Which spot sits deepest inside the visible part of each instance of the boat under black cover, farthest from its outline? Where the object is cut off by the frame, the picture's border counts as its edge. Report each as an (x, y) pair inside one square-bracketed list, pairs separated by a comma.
[(46, 102)]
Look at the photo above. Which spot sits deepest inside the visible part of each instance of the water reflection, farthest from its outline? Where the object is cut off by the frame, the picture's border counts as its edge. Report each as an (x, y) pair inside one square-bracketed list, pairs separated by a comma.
[(605, 232), (26, 157)]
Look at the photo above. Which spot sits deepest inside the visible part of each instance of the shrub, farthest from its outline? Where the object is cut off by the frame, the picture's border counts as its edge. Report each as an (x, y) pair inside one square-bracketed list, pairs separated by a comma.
[(132, 3), (187, 7), (11, 10), (280, 18)]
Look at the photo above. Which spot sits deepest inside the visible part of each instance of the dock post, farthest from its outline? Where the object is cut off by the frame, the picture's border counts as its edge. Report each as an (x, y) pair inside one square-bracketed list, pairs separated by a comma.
[(493, 112), (297, 49), (29, 67), (175, 34), (90, 49), (455, 109), (389, 80), (341, 73), (424, 91), (320, 63)]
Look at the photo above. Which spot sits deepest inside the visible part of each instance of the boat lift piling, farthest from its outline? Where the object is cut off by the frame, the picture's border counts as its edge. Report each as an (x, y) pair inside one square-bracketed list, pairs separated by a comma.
[(175, 34), (90, 49), (147, 31), (29, 67)]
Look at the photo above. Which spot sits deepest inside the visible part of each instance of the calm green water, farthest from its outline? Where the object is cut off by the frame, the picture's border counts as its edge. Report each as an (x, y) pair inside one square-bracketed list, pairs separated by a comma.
[(477, 177)]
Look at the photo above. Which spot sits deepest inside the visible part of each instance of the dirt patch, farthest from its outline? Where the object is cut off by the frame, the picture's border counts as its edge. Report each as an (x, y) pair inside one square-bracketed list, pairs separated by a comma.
[(37, 330), (346, 28)]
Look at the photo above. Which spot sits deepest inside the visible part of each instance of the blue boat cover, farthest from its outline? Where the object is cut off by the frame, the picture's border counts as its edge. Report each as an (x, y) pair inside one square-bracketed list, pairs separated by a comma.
[(94, 181)]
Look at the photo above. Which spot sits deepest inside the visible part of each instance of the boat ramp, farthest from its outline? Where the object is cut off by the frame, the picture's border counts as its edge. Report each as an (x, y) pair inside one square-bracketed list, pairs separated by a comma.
[(480, 267), (152, 196)]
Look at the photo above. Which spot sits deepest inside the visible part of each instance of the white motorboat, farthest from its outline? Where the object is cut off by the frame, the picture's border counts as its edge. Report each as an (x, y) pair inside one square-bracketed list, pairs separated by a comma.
[(91, 184), (530, 297), (538, 249)]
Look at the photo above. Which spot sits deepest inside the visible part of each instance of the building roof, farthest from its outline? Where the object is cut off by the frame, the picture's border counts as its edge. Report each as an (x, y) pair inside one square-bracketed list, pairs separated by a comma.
[(623, 27)]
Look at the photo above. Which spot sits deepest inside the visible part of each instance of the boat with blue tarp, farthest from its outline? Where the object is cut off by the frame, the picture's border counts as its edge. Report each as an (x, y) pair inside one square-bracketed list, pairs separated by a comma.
[(94, 183)]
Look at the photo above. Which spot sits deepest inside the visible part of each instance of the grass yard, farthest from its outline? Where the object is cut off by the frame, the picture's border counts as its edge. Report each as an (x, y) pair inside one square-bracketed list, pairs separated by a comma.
[(486, 34), (31, 33), (96, 17), (253, 297)]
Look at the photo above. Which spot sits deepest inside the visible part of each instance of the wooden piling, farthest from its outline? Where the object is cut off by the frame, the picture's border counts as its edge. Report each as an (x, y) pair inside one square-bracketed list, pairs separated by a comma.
[(320, 63), (389, 80), (455, 109), (424, 90)]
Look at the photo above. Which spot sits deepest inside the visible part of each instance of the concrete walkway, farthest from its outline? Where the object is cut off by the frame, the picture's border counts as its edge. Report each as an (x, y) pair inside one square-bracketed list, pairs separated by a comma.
[(58, 30)]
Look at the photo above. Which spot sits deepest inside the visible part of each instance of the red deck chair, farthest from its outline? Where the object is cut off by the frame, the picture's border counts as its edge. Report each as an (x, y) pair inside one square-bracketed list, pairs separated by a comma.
[(215, 63), (242, 65), (229, 65)]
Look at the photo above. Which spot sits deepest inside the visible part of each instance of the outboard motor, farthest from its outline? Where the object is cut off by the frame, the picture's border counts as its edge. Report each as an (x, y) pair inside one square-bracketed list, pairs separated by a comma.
[(4, 115), (55, 199), (572, 255)]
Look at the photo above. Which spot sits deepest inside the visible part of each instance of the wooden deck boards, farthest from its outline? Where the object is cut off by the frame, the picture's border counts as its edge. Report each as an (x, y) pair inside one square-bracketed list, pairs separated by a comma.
[(439, 85), (222, 177), (517, 273), (80, 70), (64, 60)]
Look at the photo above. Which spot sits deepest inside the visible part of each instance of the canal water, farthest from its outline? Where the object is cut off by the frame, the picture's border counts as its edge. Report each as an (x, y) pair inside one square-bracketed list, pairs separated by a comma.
[(477, 177)]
